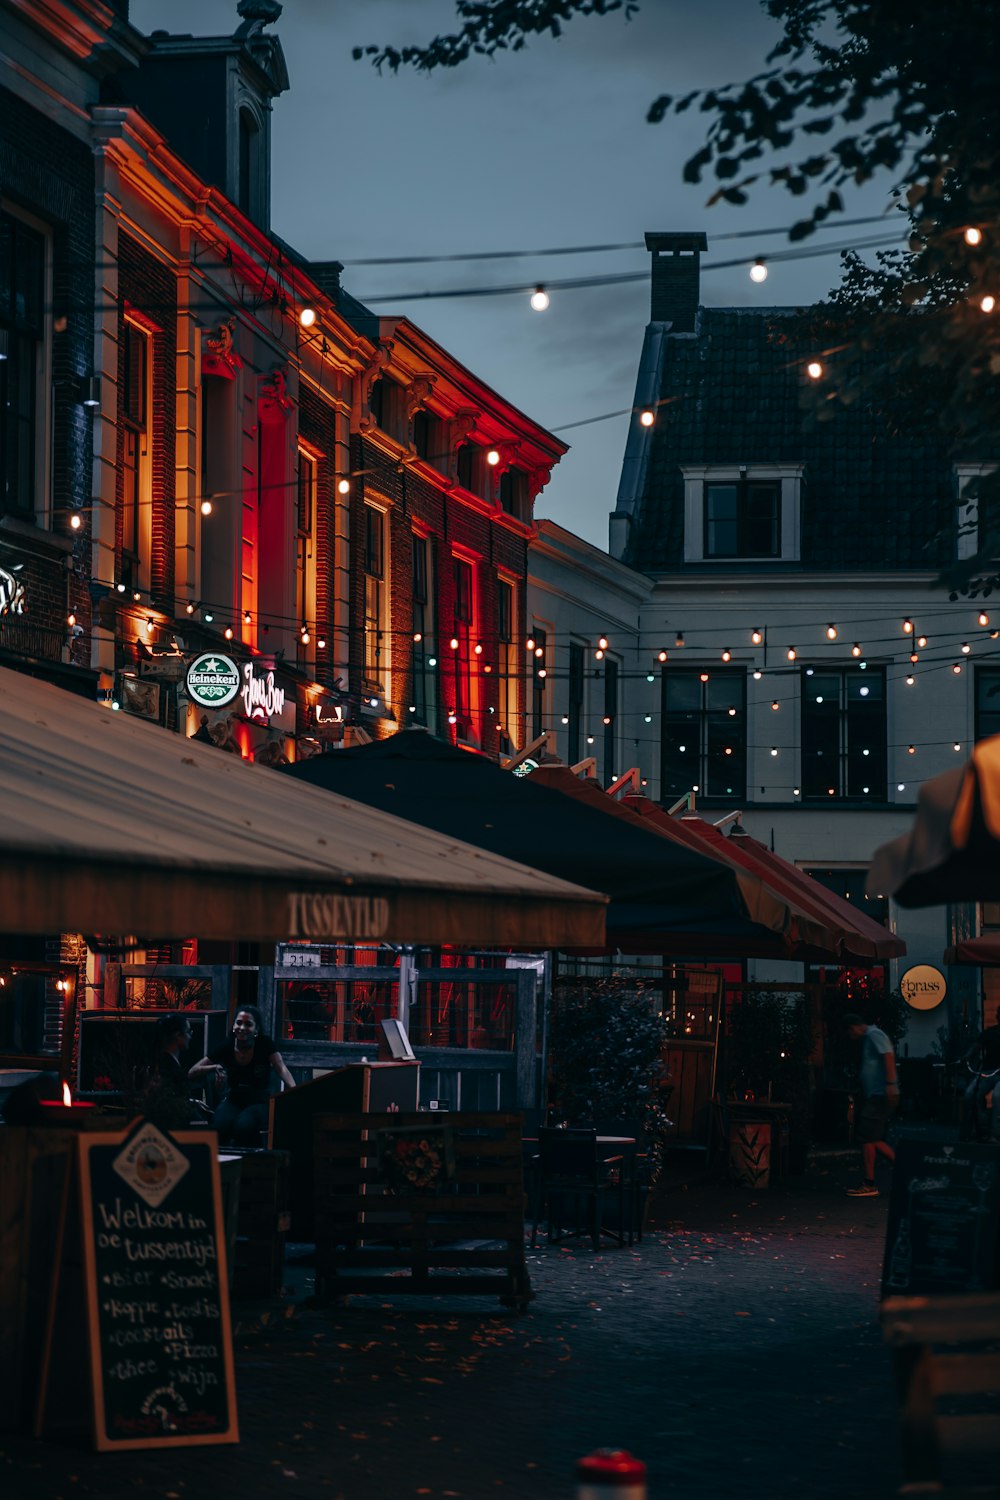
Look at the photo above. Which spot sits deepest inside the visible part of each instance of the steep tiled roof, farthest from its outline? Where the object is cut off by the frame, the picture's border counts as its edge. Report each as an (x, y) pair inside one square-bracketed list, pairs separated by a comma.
[(736, 393)]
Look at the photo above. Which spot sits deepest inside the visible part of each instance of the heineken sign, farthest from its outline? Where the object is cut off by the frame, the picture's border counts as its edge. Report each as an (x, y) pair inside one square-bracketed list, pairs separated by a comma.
[(212, 680)]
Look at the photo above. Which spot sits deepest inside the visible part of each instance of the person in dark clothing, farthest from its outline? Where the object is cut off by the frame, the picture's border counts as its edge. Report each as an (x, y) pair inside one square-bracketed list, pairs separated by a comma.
[(982, 1093), (243, 1066), (166, 1095)]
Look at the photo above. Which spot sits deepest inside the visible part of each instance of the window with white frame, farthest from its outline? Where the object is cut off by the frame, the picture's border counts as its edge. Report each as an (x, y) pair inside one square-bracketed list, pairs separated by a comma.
[(22, 385), (843, 718), (742, 513), (704, 733), (967, 528), (376, 598)]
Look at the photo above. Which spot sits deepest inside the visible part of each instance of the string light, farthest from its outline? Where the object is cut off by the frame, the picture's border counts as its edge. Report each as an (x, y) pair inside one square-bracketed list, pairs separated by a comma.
[(304, 634), (307, 317), (71, 619), (190, 608), (966, 648), (661, 656), (680, 639), (478, 648), (987, 303), (758, 271), (343, 486), (76, 520), (792, 653), (758, 674), (206, 507), (453, 643), (921, 641), (150, 626), (775, 706), (529, 644), (910, 680), (647, 418), (539, 299), (727, 655), (228, 632), (246, 617), (856, 649), (493, 457), (907, 627), (598, 654), (757, 635), (321, 643), (957, 668), (814, 370), (603, 643), (831, 632), (973, 236), (984, 618)]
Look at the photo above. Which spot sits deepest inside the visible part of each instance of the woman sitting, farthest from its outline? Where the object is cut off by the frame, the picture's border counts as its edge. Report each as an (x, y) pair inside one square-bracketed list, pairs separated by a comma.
[(243, 1067)]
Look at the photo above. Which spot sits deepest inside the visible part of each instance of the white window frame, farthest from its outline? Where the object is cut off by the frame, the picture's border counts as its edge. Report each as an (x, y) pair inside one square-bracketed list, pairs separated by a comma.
[(696, 476), (967, 511)]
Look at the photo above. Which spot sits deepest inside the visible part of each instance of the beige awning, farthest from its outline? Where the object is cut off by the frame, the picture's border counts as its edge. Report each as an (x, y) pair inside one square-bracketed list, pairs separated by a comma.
[(113, 825)]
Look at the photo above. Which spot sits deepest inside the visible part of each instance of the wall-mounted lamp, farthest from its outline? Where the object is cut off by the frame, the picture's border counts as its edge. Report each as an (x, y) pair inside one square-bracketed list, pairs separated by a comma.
[(90, 391)]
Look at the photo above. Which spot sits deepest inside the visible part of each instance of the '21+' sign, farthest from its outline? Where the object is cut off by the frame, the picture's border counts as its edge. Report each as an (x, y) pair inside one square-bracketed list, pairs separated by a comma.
[(214, 680)]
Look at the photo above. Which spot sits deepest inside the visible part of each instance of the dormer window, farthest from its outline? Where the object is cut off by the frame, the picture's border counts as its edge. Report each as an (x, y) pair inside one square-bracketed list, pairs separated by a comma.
[(968, 539), (742, 513)]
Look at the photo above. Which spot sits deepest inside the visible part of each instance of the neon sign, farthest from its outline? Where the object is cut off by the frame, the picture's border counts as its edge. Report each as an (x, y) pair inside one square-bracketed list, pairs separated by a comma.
[(262, 701)]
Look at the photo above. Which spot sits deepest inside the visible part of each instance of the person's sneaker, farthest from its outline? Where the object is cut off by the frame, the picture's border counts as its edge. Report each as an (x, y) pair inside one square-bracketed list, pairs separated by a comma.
[(866, 1190)]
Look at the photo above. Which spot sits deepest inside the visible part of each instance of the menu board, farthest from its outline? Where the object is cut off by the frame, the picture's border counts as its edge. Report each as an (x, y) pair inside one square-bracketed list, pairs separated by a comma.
[(944, 1219), (157, 1289)]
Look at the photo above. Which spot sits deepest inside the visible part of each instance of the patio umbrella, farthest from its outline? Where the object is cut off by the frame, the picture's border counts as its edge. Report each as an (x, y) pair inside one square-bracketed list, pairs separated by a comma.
[(952, 851), (663, 897), (110, 824), (804, 935), (983, 951)]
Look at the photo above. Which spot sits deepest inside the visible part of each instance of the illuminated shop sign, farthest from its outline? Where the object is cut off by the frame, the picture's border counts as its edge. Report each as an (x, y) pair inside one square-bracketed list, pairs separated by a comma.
[(11, 594), (923, 987), (262, 701), (212, 680)]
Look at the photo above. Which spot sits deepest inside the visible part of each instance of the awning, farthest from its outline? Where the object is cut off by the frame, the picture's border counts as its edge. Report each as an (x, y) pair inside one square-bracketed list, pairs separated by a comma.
[(952, 851), (111, 824), (664, 897), (820, 927), (983, 951), (786, 931)]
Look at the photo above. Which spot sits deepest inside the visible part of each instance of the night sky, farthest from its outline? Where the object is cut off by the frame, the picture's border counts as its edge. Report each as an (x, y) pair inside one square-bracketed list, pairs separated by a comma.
[(548, 147)]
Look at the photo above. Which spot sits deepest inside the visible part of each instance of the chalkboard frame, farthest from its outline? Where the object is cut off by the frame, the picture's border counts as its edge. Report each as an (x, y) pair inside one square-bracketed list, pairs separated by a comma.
[(200, 1148), (942, 1234)]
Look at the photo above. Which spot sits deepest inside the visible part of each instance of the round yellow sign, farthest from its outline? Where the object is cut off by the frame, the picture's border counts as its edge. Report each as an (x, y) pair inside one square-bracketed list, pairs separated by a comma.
[(923, 987)]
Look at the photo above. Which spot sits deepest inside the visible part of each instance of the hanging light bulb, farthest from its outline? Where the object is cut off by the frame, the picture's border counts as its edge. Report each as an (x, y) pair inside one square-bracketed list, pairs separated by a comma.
[(150, 625), (758, 674), (911, 749), (775, 706), (321, 643), (727, 655), (189, 608), (206, 507), (703, 677), (452, 718), (814, 370), (758, 271), (307, 317), (598, 654), (966, 648), (910, 680), (856, 649), (973, 236), (76, 520), (603, 643), (228, 632), (956, 668), (984, 618), (479, 648), (921, 641), (831, 632), (304, 634), (757, 635), (246, 617), (343, 486), (680, 639), (539, 651), (987, 303), (647, 418), (493, 457), (453, 643), (907, 627), (71, 619), (539, 299), (792, 653), (417, 637), (529, 644)]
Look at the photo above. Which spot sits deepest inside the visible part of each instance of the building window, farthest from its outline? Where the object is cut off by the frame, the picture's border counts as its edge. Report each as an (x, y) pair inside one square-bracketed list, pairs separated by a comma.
[(136, 499), (514, 492), (704, 745), (424, 698), (987, 702), (539, 681), (465, 682), (743, 519), (968, 537), (305, 574), (843, 734), (376, 598), (610, 716), (22, 325), (430, 439), (737, 514), (577, 669), (508, 662), (247, 187), (388, 406)]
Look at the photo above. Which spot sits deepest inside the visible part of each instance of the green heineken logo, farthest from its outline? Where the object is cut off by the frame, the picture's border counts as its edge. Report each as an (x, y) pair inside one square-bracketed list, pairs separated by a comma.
[(213, 680)]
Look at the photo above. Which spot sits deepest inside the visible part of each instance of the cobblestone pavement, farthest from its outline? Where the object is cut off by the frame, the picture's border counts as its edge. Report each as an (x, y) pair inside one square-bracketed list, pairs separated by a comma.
[(736, 1350)]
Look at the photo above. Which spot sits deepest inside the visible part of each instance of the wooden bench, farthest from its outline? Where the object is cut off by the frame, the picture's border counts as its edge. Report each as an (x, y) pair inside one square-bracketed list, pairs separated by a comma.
[(456, 1227), (946, 1353)]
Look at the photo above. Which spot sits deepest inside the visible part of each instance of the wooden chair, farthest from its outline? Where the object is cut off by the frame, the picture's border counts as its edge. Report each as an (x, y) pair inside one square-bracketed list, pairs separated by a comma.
[(946, 1352), (575, 1183)]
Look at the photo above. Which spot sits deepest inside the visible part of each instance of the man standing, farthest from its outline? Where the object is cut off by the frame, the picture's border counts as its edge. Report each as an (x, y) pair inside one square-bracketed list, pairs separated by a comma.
[(880, 1085)]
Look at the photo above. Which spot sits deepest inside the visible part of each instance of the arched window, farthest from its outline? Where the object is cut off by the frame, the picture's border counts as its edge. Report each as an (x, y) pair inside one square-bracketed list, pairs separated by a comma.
[(247, 187)]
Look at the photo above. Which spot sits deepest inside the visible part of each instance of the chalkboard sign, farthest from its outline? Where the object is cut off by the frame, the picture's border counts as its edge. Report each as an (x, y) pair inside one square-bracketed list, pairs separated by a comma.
[(157, 1290), (944, 1219)]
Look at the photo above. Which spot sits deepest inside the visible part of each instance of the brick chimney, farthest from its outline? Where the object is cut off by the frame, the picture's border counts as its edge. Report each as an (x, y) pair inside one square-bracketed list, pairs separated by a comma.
[(675, 279)]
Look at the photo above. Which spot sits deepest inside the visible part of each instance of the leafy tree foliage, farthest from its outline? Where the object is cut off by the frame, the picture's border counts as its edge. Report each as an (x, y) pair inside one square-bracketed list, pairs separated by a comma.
[(854, 89)]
